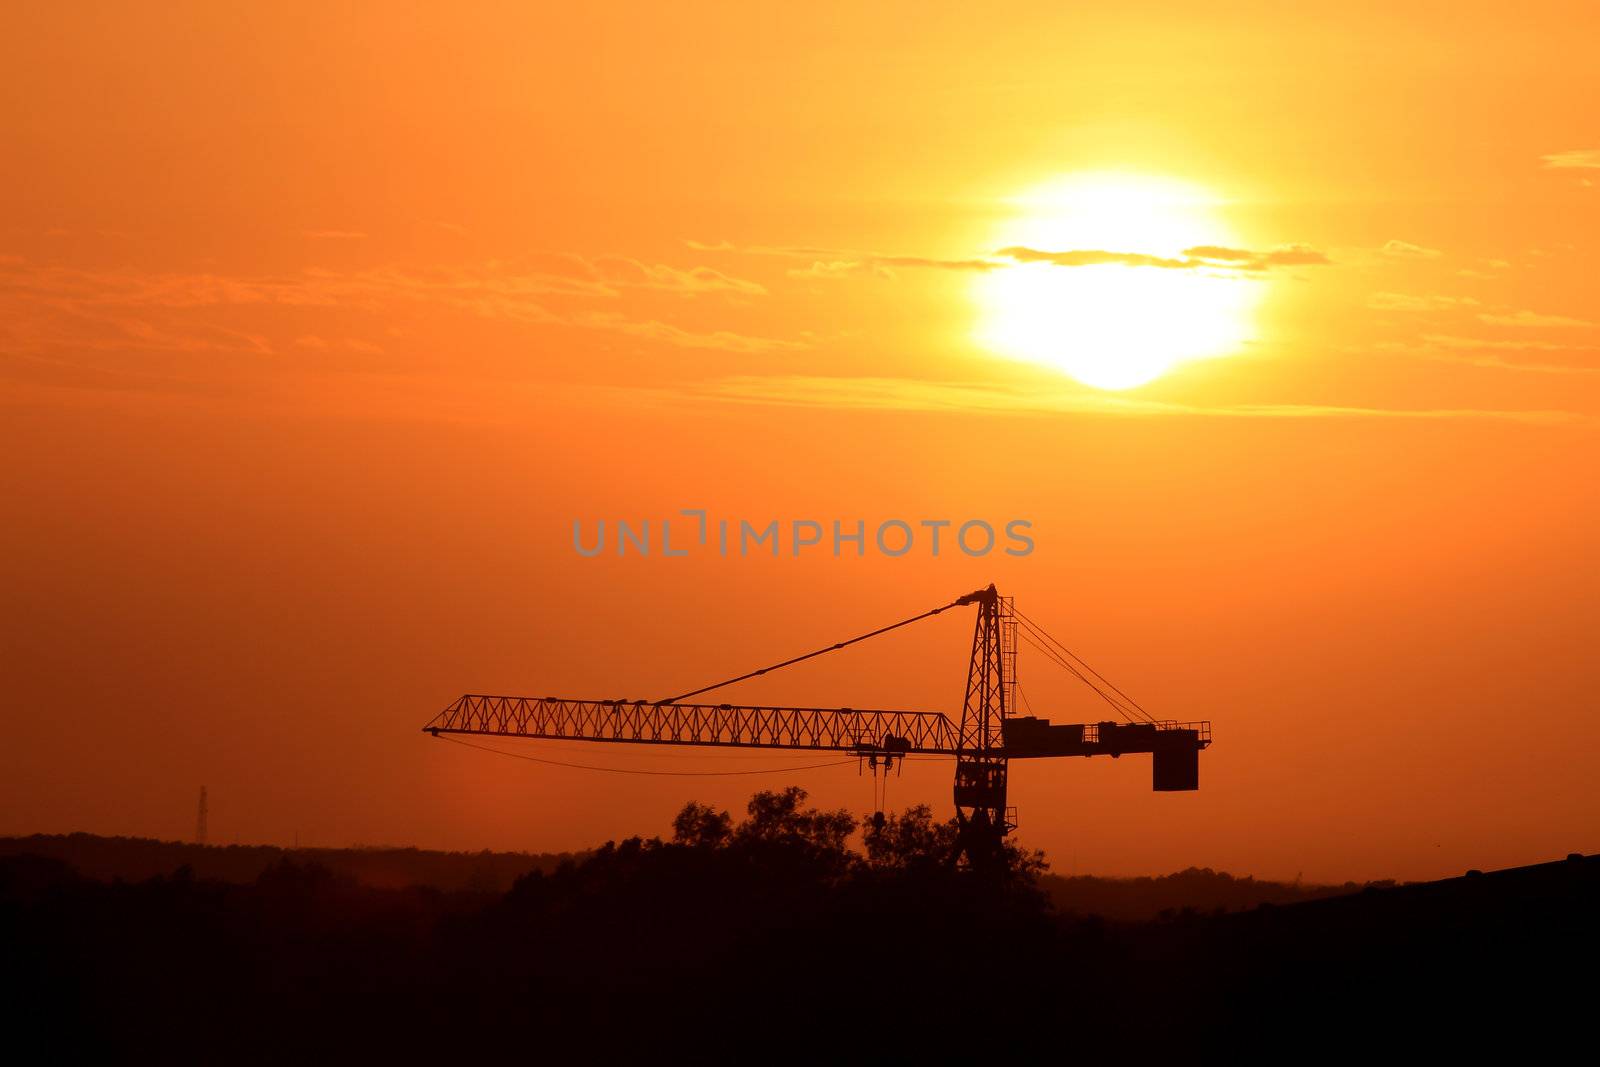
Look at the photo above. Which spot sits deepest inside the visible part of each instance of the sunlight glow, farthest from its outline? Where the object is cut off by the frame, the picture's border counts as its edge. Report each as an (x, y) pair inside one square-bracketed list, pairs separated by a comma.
[(1108, 325)]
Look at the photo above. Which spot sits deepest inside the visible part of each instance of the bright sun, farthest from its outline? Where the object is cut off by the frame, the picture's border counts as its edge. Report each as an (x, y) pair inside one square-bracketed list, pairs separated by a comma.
[(1107, 325)]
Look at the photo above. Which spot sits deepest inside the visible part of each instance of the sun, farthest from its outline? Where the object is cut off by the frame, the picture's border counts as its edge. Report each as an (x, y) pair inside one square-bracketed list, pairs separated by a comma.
[(1113, 325)]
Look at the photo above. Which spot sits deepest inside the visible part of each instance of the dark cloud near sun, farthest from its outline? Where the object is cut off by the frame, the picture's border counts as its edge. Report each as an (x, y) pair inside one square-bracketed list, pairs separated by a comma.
[(1196, 258), (1090, 257), (1296, 255), (836, 263)]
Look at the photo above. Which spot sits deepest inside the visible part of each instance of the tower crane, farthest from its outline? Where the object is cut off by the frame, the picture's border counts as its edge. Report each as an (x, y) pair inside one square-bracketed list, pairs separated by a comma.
[(989, 735)]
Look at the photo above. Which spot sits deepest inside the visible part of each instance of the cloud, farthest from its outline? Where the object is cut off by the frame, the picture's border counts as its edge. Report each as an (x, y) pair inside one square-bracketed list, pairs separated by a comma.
[(940, 264), (837, 263), (1449, 341), (842, 262), (885, 266), (48, 307), (1405, 302), (334, 235), (905, 394), (1093, 258), (21, 333), (666, 333), (1501, 363), (1198, 257), (840, 268), (1531, 318), (322, 344), (1479, 352), (1578, 159), (1490, 264), (479, 285), (548, 274), (1296, 255), (1407, 250), (624, 272)]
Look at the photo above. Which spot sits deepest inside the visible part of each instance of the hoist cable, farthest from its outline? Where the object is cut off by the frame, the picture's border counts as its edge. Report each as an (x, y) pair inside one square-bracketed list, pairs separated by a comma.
[(635, 770), (819, 652), (1131, 702), (1101, 693), (1131, 709)]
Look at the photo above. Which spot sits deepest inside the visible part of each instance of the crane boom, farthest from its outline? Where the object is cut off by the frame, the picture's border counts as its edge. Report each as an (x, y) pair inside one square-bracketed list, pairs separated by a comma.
[(853, 730), (725, 725)]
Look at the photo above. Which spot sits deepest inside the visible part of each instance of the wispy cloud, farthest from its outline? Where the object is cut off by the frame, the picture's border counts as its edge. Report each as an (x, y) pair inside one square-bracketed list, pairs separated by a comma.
[(1532, 318), (886, 266), (904, 394), (624, 273), (666, 333), (1489, 354), (324, 344), (557, 274), (1407, 302), (45, 306), (1489, 265), (1577, 159), (841, 268), (836, 262), (844, 262), (1520, 345), (1407, 250), (1196, 258), (1501, 317), (1494, 362), (1094, 257), (1297, 255)]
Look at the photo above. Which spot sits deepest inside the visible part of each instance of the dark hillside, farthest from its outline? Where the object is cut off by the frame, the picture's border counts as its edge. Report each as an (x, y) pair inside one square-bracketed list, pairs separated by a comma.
[(1197, 889), (767, 939), (139, 858)]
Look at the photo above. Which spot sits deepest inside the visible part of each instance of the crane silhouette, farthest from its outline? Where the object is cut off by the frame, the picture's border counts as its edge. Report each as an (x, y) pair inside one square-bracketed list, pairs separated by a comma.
[(987, 738)]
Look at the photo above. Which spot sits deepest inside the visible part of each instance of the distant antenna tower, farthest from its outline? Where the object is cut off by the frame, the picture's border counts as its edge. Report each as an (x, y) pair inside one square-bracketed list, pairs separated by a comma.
[(200, 820)]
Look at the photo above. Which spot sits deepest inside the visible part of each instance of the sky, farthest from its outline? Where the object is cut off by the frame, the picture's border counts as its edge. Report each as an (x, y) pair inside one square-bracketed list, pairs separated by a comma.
[(321, 326)]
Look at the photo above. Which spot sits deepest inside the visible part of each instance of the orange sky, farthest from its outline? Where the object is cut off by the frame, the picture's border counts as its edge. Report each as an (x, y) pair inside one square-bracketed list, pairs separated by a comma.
[(319, 328)]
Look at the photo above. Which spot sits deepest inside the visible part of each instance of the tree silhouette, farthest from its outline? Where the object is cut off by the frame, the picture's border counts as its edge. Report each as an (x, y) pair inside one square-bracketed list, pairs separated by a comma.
[(698, 826), (777, 818), (909, 841)]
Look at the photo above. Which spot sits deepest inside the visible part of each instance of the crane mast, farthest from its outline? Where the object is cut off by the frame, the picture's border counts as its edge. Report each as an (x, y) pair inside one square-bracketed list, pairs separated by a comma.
[(988, 736), (982, 814)]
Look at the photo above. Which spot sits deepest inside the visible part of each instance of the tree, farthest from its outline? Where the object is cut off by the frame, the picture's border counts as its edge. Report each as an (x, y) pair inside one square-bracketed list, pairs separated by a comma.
[(699, 826), (777, 818), (910, 841)]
